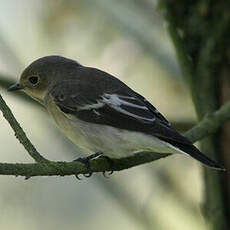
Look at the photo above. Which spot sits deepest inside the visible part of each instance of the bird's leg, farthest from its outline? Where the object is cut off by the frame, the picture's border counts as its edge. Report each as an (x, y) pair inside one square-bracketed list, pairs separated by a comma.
[(111, 164), (85, 161), (90, 157)]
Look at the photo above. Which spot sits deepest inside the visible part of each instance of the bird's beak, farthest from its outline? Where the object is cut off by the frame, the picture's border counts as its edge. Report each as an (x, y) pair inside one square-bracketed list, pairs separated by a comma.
[(15, 87)]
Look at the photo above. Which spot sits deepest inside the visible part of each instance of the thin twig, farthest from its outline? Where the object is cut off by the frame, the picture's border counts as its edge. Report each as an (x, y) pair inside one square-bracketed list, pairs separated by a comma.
[(19, 133)]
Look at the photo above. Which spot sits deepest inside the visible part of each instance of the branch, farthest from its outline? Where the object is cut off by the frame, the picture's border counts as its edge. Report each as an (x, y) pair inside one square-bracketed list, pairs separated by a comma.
[(51, 168), (19, 133), (209, 124), (44, 167)]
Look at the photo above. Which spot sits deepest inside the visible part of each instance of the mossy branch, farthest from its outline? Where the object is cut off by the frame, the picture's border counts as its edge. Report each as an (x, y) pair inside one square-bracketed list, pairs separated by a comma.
[(43, 167)]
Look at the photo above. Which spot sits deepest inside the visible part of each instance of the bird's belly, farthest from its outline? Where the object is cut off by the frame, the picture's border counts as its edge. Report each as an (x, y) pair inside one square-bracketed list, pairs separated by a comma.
[(113, 142), (97, 138)]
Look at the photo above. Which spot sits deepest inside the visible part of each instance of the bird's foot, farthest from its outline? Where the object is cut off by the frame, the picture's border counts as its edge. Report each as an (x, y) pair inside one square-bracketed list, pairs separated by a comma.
[(85, 161), (111, 164)]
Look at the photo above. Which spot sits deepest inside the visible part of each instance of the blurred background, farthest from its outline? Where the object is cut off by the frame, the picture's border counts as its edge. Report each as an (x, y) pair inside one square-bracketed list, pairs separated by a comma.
[(129, 40)]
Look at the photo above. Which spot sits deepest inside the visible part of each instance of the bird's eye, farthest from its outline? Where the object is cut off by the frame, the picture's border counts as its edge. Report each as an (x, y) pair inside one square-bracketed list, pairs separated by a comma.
[(34, 80)]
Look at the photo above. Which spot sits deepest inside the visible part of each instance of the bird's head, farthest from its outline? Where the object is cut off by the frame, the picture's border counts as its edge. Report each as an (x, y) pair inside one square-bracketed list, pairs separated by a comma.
[(43, 74)]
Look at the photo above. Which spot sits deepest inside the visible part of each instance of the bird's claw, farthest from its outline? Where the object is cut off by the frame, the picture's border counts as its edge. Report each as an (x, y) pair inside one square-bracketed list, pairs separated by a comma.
[(85, 161), (89, 174), (107, 175), (111, 164), (78, 177)]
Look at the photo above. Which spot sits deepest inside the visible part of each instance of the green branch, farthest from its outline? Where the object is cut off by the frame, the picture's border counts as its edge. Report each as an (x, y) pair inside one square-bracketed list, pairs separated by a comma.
[(209, 124), (74, 168), (19, 133), (44, 167)]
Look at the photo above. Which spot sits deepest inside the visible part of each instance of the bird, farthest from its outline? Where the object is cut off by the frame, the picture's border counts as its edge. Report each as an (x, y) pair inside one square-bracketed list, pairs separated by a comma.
[(101, 114)]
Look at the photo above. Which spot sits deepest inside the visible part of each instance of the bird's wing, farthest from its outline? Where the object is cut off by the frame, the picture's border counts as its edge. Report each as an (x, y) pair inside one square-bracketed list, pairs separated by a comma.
[(123, 109), (161, 118), (120, 107)]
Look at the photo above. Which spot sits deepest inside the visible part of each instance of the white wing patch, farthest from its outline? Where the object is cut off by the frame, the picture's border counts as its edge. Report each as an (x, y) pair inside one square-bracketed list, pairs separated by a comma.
[(116, 101), (91, 106)]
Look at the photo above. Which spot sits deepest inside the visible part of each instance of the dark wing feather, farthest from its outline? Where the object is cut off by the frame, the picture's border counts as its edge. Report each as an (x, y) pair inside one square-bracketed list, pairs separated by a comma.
[(133, 113), (161, 118)]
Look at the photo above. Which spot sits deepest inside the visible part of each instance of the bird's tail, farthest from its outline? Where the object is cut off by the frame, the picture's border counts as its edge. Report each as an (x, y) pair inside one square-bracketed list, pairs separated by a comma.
[(192, 151)]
